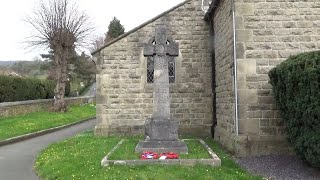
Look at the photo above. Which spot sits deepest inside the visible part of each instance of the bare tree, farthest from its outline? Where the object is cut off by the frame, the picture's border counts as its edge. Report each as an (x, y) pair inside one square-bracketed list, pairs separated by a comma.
[(97, 43), (59, 26)]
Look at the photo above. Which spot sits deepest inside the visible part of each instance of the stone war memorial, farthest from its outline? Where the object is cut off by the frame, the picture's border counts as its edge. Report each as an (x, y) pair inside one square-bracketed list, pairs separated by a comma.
[(200, 69), (161, 131)]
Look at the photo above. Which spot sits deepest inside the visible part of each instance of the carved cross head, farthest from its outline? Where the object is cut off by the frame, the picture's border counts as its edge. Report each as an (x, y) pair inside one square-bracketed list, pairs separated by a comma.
[(161, 45)]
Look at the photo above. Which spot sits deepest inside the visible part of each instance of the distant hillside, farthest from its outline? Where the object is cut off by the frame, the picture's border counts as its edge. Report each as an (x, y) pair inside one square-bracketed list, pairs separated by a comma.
[(24, 68), (6, 63), (9, 63)]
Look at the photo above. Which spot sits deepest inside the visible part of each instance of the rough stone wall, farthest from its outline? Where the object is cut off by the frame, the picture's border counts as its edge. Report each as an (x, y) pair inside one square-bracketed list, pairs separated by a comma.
[(124, 99), (223, 32), (268, 32), (24, 107)]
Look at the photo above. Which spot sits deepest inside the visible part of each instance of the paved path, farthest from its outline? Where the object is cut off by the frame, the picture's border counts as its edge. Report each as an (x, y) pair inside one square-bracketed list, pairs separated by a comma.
[(16, 160)]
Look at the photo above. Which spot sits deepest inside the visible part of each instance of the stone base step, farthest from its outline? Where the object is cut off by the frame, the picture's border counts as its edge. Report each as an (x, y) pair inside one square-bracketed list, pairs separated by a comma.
[(162, 146)]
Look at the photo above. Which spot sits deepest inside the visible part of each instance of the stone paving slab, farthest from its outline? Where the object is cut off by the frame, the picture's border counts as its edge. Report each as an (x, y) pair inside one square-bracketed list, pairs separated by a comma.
[(213, 161)]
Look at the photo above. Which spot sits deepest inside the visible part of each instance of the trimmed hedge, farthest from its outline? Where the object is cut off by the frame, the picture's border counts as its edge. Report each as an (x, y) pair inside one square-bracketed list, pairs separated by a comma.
[(296, 87), (21, 89)]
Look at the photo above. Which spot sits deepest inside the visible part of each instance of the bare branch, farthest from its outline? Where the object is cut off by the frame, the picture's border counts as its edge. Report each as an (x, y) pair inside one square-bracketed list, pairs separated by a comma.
[(59, 21), (61, 27), (97, 43)]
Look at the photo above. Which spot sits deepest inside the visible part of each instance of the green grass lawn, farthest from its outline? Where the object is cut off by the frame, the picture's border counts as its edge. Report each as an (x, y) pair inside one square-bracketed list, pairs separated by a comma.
[(123, 151), (24, 124), (79, 158), (195, 151)]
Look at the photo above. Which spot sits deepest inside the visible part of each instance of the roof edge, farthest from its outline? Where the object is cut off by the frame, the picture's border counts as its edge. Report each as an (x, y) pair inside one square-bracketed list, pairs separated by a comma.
[(214, 4), (140, 26)]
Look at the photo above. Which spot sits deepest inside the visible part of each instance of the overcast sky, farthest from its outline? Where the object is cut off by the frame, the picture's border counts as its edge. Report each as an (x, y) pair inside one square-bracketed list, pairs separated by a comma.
[(13, 31)]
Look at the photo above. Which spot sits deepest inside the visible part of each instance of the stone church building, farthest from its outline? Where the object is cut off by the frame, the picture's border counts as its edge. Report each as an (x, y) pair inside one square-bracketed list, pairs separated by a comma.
[(219, 82)]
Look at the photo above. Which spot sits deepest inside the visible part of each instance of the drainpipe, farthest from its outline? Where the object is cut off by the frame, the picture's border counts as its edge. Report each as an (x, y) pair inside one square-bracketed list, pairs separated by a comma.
[(235, 68)]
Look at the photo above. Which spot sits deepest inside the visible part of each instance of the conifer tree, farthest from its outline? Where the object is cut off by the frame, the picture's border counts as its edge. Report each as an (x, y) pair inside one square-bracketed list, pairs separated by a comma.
[(115, 29)]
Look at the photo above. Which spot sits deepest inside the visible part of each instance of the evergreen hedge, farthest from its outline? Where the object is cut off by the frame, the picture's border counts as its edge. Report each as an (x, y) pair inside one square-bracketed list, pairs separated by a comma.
[(296, 87), (21, 89)]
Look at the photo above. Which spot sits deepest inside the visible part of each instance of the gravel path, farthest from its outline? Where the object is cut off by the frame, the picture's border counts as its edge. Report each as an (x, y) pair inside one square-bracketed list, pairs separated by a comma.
[(279, 167)]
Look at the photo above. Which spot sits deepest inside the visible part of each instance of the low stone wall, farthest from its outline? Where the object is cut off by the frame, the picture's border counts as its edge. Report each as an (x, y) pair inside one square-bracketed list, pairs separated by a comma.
[(24, 107)]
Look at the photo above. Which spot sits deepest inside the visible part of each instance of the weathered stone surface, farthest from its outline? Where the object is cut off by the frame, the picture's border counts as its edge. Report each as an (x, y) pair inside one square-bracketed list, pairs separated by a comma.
[(148, 49), (223, 48), (273, 33), (244, 35), (159, 126), (160, 129), (245, 8), (161, 132), (162, 146)]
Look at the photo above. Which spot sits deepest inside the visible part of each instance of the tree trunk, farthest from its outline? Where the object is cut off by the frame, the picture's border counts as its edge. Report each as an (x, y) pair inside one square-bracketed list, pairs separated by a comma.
[(61, 57)]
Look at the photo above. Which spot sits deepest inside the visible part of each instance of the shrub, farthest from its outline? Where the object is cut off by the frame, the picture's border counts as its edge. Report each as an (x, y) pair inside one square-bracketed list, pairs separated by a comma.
[(296, 87), (21, 89)]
